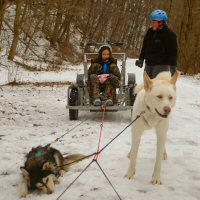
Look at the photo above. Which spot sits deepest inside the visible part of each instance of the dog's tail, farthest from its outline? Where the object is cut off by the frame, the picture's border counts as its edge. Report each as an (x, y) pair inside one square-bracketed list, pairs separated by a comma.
[(74, 158), (163, 76)]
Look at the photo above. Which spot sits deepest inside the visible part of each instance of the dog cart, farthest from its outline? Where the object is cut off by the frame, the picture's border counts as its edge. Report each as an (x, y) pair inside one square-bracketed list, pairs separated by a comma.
[(78, 95)]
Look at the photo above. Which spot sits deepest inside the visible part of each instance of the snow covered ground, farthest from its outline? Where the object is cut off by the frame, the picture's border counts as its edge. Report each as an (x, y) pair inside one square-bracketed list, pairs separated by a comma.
[(32, 116)]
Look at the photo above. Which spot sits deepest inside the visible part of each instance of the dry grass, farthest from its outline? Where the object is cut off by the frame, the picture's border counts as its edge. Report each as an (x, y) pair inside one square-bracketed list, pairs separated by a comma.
[(39, 84)]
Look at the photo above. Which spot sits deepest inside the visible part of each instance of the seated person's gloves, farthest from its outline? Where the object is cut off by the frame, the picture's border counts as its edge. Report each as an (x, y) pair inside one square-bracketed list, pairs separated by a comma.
[(93, 77), (114, 80), (139, 63)]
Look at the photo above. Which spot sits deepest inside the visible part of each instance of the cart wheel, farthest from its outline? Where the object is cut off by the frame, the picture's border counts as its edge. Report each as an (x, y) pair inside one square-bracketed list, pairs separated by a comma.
[(131, 84), (131, 96), (80, 80), (73, 101), (131, 79)]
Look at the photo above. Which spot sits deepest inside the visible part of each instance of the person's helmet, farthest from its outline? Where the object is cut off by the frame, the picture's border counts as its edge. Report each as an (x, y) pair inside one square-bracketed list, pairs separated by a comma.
[(159, 15), (104, 46)]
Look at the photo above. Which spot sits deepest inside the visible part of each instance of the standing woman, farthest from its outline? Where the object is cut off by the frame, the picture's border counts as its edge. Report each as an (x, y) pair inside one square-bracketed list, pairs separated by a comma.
[(159, 49), (103, 74)]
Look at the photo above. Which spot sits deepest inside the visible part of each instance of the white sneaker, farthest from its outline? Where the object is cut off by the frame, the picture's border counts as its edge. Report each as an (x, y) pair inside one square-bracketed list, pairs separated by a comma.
[(109, 102), (97, 102)]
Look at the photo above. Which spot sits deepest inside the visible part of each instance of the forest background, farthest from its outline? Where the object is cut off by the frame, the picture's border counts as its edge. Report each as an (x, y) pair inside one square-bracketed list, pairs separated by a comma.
[(67, 25)]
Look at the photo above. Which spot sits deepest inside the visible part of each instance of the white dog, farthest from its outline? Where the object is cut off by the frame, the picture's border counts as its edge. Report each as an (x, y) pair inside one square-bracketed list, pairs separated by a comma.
[(154, 100)]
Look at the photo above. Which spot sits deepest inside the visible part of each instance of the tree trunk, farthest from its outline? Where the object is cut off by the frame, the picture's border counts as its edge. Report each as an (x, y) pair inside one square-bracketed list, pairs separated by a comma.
[(189, 58), (16, 30), (2, 11), (58, 22)]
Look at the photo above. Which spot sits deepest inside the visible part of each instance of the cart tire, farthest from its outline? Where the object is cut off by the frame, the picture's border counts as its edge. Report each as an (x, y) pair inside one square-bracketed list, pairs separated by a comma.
[(131, 79), (132, 96), (80, 80), (131, 84), (73, 101)]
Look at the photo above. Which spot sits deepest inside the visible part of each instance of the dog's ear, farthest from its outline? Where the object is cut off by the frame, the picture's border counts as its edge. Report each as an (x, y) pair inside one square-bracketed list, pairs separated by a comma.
[(148, 83), (174, 78), (24, 171)]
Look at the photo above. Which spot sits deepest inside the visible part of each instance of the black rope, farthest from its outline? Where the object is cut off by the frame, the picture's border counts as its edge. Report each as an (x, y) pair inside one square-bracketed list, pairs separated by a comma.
[(108, 180), (95, 153), (97, 162), (83, 172), (120, 133), (75, 180), (54, 141)]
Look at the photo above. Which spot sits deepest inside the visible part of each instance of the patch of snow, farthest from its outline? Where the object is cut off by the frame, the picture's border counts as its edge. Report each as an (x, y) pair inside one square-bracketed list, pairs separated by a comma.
[(32, 116)]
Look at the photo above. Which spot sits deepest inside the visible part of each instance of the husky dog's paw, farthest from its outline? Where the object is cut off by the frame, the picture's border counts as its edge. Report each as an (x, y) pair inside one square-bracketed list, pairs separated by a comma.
[(23, 190), (23, 194), (61, 172), (156, 180), (47, 184), (130, 174)]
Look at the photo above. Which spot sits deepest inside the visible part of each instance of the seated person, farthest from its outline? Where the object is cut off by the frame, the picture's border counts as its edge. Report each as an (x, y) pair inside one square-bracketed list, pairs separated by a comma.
[(103, 72)]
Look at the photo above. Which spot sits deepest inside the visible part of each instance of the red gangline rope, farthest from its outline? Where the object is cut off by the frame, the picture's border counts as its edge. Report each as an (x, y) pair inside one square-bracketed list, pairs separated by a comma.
[(100, 136)]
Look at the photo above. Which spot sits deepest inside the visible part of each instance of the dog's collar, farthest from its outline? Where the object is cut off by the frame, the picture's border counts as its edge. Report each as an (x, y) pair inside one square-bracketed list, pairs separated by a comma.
[(148, 108), (146, 105), (39, 153), (146, 121), (161, 115)]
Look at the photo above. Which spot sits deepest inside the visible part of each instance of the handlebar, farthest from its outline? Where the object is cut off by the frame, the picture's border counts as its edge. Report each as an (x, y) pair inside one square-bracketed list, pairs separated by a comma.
[(108, 42)]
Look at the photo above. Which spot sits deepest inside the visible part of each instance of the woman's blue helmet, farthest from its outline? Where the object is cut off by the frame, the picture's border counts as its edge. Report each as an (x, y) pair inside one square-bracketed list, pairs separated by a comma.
[(159, 15)]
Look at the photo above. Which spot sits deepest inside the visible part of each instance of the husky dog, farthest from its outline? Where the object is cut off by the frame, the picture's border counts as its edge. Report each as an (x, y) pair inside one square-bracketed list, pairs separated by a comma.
[(42, 168), (155, 99)]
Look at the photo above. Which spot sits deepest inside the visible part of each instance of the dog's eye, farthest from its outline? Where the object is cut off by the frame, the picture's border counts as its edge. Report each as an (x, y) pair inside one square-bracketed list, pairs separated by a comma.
[(170, 98), (160, 96), (46, 181)]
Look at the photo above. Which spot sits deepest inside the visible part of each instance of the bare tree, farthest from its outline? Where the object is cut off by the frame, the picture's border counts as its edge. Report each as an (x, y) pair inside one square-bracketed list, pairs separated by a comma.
[(58, 22), (100, 20), (16, 30), (2, 11)]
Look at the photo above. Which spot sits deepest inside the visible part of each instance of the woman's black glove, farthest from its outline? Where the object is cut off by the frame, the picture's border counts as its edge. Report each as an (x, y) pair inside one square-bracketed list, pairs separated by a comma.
[(173, 69), (139, 63)]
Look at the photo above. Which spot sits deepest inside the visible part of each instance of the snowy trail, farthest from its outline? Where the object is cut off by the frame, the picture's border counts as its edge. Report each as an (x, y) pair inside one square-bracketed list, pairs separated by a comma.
[(36, 115)]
